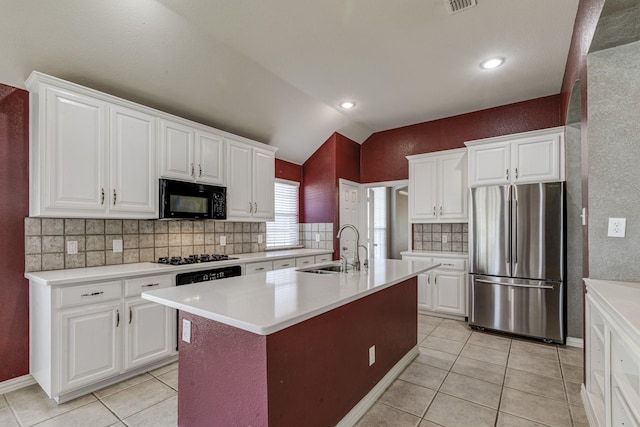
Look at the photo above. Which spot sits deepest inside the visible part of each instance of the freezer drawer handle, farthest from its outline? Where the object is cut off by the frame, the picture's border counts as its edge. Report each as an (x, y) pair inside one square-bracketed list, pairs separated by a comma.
[(513, 285)]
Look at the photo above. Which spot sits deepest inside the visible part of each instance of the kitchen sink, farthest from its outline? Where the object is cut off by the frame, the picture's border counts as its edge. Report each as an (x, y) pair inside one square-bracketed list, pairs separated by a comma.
[(322, 269)]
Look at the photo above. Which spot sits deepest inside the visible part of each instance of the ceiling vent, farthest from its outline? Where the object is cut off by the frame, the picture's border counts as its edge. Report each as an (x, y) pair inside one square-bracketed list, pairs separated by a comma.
[(455, 6)]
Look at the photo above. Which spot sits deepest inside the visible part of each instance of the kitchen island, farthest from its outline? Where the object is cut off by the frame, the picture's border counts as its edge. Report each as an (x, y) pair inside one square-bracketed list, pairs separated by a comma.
[(293, 348)]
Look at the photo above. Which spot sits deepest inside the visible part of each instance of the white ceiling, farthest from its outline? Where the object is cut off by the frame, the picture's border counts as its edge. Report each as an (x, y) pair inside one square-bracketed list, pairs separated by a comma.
[(275, 70)]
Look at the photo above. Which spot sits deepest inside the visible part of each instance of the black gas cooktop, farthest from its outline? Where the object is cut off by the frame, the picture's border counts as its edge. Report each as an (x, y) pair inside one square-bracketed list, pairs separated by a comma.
[(193, 259)]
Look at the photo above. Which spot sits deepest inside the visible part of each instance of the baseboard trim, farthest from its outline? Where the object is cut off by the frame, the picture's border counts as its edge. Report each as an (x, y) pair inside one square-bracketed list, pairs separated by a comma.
[(575, 342), (363, 406), (16, 383)]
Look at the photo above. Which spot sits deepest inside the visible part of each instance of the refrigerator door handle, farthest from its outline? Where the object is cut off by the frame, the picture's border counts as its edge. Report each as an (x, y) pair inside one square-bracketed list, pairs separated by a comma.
[(491, 282), (514, 229), (507, 242)]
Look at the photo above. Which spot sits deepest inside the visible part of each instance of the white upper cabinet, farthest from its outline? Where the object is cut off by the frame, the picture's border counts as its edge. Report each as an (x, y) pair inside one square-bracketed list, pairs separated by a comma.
[(438, 186), (529, 157), (190, 153), (132, 145), (89, 157), (74, 156), (251, 176)]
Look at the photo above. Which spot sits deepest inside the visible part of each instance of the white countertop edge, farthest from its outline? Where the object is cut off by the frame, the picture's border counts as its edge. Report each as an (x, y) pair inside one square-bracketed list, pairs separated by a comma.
[(604, 291), (275, 327), (119, 271), (436, 254)]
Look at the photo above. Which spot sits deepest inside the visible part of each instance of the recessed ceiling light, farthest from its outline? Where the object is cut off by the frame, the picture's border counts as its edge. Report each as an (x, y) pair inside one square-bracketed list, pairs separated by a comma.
[(491, 63), (347, 104)]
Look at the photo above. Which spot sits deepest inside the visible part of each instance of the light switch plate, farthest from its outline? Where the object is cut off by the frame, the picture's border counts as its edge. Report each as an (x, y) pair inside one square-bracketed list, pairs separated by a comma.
[(317, 237), (260, 238), (223, 240), (117, 245), (617, 227), (186, 330)]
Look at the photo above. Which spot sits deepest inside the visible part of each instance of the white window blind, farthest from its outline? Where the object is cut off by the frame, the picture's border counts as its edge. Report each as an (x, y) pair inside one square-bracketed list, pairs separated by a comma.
[(379, 222), (284, 230)]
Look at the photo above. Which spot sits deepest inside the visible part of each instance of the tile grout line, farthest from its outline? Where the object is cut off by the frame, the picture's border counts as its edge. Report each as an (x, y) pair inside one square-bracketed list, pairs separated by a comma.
[(504, 378)]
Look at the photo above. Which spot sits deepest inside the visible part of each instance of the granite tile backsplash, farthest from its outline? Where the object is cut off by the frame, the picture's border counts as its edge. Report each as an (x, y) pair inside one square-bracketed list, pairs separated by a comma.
[(430, 237), (46, 240)]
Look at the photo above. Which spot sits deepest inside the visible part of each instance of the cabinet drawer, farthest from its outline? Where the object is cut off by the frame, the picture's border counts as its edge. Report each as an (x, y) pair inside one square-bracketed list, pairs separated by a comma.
[(90, 294), (284, 263), (322, 258), (451, 263), (303, 261), (134, 287), (258, 267)]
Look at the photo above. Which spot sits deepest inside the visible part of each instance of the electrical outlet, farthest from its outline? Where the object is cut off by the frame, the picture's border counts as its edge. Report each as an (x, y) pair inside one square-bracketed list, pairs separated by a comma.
[(117, 245), (223, 240), (617, 227), (445, 238), (372, 355), (260, 238), (317, 237), (186, 330), (72, 247)]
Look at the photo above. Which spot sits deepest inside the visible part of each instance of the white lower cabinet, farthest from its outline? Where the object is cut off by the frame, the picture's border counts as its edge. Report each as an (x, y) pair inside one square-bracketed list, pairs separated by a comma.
[(90, 344), (444, 289), (612, 384), (84, 337)]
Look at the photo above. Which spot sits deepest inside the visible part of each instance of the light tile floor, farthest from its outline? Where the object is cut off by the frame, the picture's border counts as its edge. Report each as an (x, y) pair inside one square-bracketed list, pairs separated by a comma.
[(470, 378), (461, 378)]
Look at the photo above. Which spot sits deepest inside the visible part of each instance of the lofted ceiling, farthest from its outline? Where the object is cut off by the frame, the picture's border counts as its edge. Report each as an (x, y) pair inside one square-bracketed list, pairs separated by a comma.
[(275, 70)]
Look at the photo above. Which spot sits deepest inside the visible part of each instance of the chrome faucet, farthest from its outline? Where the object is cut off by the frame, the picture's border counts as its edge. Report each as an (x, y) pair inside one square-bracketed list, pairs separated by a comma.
[(356, 259)]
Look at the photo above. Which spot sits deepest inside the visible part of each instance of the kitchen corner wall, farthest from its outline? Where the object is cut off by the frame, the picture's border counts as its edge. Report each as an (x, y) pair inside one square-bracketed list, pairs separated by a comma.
[(428, 237), (614, 154), (143, 240)]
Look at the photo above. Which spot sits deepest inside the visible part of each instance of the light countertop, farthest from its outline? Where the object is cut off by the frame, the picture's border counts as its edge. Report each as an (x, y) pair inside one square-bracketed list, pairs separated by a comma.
[(623, 298), (268, 302), (436, 254), (114, 272)]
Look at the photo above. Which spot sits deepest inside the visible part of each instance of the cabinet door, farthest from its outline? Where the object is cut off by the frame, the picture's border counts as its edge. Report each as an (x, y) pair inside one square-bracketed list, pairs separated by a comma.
[(210, 158), (150, 332), (452, 188), (90, 344), (75, 173), (422, 189), (176, 151), (132, 144), (264, 170), (536, 159), (424, 286), (239, 202), (449, 292), (490, 164)]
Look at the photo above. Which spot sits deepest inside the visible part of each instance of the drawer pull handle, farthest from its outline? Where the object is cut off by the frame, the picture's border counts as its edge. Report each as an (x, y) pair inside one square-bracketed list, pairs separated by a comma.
[(259, 268), (448, 265), (286, 265), (93, 294), (150, 285), (130, 315), (117, 318)]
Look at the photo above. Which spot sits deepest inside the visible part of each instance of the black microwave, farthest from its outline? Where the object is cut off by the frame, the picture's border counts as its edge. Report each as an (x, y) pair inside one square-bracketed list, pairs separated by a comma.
[(191, 200)]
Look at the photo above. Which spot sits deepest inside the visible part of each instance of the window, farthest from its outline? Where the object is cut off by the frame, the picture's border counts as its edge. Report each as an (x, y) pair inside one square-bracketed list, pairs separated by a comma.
[(283, 232)]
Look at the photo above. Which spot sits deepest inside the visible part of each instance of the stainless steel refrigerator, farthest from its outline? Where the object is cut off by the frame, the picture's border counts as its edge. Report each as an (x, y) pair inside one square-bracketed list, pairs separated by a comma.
[(517, 252)]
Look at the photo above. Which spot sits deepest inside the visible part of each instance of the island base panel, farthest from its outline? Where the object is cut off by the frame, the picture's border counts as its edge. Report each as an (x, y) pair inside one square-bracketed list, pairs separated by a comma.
[(309, 374)]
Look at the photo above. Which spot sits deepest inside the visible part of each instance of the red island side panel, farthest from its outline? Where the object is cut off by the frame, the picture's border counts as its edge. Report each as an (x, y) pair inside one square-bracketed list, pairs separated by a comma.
[(309, 374)]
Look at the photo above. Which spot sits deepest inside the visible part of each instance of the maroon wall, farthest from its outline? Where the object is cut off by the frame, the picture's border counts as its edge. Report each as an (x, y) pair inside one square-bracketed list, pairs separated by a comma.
[(576, 69), (14, 206), (310, 374), (383, 153), (319, 193)]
